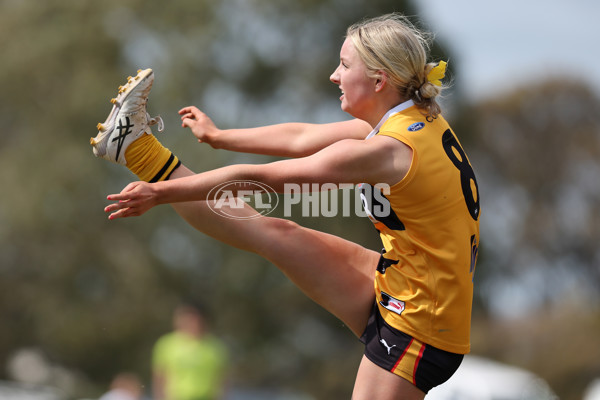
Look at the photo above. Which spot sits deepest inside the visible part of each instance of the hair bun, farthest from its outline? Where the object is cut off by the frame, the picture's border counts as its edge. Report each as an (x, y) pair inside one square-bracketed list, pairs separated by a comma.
[(429, 90)]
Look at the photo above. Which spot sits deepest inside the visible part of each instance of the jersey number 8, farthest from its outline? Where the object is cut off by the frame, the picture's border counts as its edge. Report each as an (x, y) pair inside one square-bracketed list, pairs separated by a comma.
[(467, 177)]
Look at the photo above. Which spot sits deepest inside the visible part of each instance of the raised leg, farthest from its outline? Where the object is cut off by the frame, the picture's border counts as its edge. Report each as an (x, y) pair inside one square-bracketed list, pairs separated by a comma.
[(334, 272)]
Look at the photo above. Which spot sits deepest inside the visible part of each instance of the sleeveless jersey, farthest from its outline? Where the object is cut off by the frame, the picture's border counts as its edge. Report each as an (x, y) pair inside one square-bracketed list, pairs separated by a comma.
[(429, 225)]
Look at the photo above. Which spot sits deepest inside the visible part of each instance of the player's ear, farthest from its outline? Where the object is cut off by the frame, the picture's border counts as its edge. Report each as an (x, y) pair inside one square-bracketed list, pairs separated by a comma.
[(381, 79)]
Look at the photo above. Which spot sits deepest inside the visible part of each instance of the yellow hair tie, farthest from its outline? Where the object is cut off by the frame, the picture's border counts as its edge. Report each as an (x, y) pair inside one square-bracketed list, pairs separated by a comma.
[(438, 73)]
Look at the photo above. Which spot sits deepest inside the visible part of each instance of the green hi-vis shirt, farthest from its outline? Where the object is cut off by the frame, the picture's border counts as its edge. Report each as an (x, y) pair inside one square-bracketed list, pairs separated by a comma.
[(194, 368)]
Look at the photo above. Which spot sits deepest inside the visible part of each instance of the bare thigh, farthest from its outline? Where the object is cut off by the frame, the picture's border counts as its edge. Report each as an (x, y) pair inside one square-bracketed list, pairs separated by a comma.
[(374, 382), (334, 272)]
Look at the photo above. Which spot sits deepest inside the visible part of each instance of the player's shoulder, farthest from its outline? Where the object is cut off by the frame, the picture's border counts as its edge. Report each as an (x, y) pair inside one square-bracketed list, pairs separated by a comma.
[(413, 121)]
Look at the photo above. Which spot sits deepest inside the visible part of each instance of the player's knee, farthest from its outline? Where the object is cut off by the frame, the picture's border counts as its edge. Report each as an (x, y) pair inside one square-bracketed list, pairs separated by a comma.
[(277, 232), (282, 228)]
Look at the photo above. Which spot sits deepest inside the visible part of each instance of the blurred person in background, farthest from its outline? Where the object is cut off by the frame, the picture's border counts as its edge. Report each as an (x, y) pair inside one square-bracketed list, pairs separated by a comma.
[(189, 363)]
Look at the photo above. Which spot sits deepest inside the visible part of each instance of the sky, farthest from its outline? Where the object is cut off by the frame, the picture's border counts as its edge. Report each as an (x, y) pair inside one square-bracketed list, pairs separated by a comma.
[(500, 45)]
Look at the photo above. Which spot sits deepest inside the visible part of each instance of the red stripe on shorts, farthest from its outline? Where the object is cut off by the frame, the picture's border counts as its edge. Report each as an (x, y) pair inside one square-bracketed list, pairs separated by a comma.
[(417, 363), (402, 356)]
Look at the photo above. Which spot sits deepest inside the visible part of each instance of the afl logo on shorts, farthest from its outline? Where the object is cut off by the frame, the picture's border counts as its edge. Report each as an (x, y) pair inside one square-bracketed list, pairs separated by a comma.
[(391, 303), (417, 126)]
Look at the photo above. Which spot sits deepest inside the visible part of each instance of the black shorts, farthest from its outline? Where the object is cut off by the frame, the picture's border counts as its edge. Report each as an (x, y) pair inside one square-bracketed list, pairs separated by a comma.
[(421, 364)]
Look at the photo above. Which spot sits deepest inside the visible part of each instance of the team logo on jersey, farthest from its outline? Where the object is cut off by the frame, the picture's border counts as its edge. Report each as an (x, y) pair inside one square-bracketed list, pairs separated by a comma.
[(392, 304), (417, 126)]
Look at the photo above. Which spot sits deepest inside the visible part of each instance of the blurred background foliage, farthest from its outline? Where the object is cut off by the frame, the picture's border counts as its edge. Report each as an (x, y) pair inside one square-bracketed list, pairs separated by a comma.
[(93, 296)]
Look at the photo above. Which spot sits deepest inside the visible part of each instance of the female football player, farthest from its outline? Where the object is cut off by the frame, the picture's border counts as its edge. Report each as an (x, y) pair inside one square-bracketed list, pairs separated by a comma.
[(409, 305)]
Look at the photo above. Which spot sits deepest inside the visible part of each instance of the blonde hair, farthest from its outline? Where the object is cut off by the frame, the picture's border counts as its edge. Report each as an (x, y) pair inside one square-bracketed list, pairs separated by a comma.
[(392, 44)]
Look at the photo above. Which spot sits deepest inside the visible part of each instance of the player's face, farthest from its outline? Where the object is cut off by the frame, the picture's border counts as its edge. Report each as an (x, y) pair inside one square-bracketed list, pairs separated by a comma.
[(351, 77)]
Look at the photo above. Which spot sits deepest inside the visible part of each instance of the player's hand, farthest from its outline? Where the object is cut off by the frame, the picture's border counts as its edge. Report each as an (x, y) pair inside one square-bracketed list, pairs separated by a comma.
[(200, 124), (134, 200)]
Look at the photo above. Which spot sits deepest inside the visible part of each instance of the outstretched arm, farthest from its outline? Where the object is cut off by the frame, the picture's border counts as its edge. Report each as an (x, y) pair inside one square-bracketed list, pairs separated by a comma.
[(286, 140), (379, 160)]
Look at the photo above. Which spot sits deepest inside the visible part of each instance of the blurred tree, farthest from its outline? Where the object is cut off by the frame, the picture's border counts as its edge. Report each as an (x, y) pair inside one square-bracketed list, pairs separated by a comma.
[(95, 295), (538, 161), (537, 158)]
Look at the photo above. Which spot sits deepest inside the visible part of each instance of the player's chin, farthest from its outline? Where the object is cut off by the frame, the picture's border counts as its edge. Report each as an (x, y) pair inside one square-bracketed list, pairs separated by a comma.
[(346, 107)]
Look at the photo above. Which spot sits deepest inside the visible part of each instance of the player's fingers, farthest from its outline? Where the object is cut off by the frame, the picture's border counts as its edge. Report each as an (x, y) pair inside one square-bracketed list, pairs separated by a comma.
[(129, 192), (189, 110), (117, 206), (119, 196), (186, 116), (188, 122), (123, 213)]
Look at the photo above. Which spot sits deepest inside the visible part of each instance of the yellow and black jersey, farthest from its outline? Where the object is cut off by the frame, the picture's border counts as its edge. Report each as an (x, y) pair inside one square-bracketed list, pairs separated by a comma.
[(429, 225)]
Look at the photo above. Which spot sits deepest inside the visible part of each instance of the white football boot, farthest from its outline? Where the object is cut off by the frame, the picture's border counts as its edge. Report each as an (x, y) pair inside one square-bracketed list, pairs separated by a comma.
[(128, 119)]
